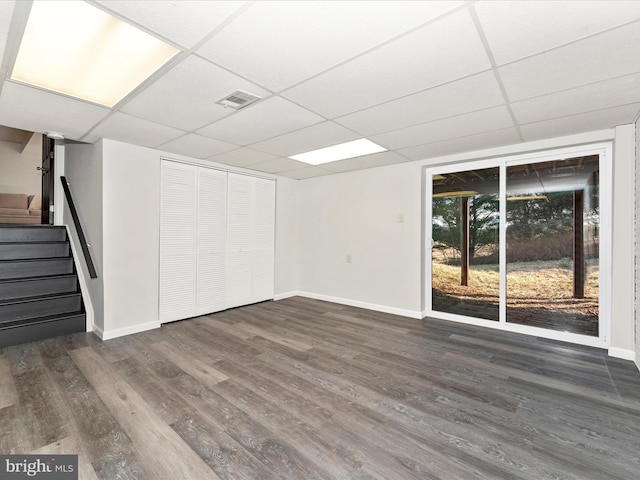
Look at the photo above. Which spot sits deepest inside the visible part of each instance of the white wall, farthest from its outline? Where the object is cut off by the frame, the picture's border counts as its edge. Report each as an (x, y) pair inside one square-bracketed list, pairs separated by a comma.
[(83, 170), (357, 214), (18, 172), (131, 219), (287, 245), (373, 216), (623, 280)]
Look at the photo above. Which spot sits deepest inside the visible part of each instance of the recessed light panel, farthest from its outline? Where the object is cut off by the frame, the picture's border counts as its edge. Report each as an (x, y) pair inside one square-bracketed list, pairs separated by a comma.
[(342, 151), (74, 48)]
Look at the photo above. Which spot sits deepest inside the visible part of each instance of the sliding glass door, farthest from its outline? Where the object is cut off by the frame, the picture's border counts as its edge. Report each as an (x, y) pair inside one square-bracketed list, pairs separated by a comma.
[(553, 226), (465, 250), (519, 243)]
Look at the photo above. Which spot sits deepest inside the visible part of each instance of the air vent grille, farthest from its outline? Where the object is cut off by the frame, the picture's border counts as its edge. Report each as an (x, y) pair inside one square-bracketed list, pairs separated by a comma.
[(238, 100)]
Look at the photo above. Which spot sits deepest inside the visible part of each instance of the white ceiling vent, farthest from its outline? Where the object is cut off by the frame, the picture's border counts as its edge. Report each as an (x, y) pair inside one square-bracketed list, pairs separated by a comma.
[(238, 100)]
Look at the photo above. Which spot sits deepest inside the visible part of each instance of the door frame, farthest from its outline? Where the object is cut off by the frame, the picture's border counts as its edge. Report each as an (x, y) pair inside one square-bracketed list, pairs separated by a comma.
[(47, 187), (605, 150)]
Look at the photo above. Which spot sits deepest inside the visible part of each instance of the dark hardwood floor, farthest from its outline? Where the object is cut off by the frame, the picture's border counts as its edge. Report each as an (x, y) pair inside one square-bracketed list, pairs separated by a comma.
[(304, 389)]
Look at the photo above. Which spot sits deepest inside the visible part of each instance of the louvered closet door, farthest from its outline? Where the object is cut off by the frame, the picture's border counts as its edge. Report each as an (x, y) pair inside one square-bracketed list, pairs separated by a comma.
[(177, 242), (212, 224), (264, 194), (239, 233)]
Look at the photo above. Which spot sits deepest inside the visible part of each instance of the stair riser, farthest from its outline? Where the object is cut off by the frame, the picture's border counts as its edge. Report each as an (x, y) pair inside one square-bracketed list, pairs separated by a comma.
[(26, 268), (33, 234), (38, 287), (39, 331), (40, 308), (33, 250)]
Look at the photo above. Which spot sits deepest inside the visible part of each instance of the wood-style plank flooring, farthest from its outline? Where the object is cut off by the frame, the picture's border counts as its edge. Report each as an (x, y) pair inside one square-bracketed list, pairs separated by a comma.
[(302, 389)]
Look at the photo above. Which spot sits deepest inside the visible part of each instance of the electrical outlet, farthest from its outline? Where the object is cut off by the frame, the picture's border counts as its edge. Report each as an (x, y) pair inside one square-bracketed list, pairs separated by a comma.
[(348, 258), (401, 218)]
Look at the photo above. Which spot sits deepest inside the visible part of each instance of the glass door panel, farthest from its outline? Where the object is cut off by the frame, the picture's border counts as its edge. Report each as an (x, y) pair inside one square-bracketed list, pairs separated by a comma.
[(552, 239), (465, 255)]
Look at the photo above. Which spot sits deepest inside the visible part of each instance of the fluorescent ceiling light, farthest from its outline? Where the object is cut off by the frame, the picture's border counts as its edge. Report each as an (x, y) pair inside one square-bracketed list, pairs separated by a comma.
[(74, 48), (342, 151)]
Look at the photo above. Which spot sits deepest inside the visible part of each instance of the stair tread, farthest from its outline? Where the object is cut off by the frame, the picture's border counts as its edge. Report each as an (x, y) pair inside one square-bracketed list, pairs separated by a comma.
[(36, 242), (33, 233), (47, 259), (43, 319), (38, 298), (35, 279)]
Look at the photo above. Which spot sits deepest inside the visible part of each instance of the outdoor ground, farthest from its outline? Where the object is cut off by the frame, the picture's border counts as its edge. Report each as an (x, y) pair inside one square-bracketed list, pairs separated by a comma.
[(538, 294)]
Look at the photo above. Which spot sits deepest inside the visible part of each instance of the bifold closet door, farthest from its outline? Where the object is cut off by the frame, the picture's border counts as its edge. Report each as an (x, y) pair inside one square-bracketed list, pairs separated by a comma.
[(239, 239), (178, 253), (250, 239), (211, 244), (216, 240)]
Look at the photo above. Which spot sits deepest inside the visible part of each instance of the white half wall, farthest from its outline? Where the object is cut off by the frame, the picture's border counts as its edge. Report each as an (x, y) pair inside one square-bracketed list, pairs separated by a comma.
[(83, 170)]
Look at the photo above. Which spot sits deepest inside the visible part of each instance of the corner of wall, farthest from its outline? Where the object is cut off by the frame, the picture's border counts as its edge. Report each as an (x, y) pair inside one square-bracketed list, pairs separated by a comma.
[(623, 246)]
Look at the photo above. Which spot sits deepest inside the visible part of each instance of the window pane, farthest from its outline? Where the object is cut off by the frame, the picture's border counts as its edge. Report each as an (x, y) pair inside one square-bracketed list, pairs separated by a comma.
[(465, 254), (552, 244)]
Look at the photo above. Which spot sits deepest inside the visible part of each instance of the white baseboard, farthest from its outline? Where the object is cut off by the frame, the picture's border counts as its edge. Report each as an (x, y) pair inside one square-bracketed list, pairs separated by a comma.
[(282, 296), (622, 353), (355, 303), (97, 331), (120, 332)]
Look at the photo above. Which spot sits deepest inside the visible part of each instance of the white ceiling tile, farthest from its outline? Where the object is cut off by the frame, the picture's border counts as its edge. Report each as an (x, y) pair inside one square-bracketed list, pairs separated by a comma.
[(311, 138), (366, 161), (306, 37), (129, 129), (40, 111), (605, 56), (268, 118), (184, 23), (464, 144), (197, 146), (584, 122), (508, 24), (466, 95), (185, 97), (279, 165), (616, 92), (445, 50), (242, 157), (308, 172), (496, 118)]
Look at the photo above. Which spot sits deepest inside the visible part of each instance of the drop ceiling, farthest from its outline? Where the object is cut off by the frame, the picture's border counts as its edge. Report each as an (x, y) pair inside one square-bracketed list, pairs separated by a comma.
[(422, 79)]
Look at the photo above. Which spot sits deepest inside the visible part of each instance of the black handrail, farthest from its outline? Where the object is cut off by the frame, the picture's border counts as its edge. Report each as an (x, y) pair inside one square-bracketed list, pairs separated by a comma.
[(76, 222)]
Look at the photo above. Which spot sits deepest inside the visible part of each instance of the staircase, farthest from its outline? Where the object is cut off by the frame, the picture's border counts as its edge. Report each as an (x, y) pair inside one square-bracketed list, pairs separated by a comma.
[(39, 292)]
